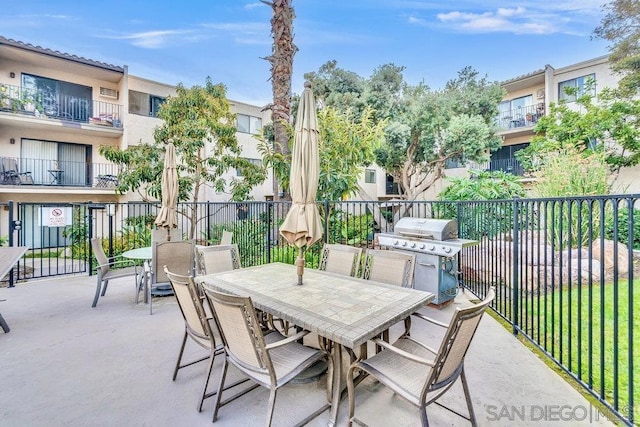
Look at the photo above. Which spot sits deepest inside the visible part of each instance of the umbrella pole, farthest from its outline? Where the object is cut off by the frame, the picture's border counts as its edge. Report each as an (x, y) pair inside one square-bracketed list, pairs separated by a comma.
[(300, 265)]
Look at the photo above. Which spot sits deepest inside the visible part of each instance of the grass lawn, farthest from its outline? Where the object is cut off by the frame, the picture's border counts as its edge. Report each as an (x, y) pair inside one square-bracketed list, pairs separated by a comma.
[(592, 332)]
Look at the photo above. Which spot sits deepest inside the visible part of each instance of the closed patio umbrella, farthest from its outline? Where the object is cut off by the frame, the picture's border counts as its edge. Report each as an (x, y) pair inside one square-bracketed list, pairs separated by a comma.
[(302, 226), (168, 216)]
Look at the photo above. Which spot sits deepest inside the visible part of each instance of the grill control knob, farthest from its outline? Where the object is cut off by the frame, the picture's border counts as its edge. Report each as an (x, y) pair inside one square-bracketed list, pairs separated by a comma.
[(432, 248), (447, 250), (413, 245), (395, 243), (422, 246), (404, 243)]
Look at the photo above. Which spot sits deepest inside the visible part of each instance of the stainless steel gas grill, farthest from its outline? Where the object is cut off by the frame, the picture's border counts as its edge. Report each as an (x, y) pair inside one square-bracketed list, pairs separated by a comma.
[(435, 243)]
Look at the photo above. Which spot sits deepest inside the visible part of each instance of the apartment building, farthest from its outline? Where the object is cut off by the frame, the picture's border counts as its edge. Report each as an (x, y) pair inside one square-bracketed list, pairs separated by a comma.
[(528, 98), (57, 109)]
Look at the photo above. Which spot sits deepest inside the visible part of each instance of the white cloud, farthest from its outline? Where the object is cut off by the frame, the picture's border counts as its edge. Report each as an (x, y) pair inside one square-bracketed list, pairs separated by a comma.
[(529, 17), (156, 39), (250, 6)]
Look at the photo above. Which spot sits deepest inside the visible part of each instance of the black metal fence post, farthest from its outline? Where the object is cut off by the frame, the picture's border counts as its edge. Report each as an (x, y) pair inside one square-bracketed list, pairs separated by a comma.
[(515, 264), (11, 230)]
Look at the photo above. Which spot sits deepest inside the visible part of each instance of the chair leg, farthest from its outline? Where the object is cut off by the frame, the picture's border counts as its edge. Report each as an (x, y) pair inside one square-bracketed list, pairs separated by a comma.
[(104, 287), (351, 393), (272, 404), (3, 324), (467, 396), (220, 388), (206, 382), (138, 287), (424, 419), (98, 286), (184, 342)]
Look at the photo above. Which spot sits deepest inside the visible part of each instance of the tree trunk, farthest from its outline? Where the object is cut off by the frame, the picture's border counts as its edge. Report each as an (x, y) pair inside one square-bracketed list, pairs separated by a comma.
[(281, 60)]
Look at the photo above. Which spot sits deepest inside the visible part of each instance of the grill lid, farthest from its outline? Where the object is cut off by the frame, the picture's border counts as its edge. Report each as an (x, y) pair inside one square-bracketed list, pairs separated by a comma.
[(427, 228)]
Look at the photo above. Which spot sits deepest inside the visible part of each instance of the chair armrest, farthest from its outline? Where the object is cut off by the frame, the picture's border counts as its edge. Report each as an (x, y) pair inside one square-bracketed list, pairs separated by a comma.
[(118, 263), (287, 340), (403, 353), (430, 320)]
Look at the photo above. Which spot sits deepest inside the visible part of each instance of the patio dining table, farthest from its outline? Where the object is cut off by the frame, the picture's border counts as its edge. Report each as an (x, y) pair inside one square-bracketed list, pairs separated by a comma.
[(344, 310)]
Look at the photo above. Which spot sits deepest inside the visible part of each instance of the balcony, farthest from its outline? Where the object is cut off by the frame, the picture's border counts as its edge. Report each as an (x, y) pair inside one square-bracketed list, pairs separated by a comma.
[(21, 172), (520, 117), (511, 165), (39, 107)]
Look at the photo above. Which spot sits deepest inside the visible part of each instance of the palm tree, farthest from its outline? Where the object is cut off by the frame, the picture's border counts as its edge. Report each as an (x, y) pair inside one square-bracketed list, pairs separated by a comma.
[(281, 60)]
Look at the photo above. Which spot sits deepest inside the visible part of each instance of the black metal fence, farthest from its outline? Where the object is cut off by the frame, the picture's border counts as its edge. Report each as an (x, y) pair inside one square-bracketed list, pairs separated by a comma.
[(563, 268)]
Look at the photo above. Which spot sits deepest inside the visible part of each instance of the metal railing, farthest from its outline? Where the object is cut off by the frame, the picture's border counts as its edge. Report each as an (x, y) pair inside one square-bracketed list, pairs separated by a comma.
[(563, 268), (27, 171), (511, 165), (519, 117), (38, 103)]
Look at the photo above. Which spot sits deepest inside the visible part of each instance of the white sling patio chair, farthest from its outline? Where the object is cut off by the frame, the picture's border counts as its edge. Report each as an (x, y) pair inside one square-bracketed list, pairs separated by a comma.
[(198, 326), (393, 268), (341, 259), (111, 268), (178, 256), (271, 359), (418, 373), (217, 258)]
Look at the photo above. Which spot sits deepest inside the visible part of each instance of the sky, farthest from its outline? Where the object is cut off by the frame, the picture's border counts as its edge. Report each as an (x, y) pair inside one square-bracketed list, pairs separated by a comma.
[(187, 41)]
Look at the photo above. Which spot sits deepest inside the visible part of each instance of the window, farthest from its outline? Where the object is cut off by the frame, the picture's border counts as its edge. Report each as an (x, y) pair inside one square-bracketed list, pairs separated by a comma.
[(584, 85), (59, 99), (248, 124), (42, 157), (256, 162), (513, 113), (144, 104), (391, 186), (370, 176)]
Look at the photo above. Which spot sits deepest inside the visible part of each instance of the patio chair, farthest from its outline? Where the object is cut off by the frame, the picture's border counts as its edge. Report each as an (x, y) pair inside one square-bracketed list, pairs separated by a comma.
[(393, 268), (177, 256), (111, 268), (217, 258), (419, 373), (270, 359), (197, 326), (227, 237), (11, 174), (341, 259)]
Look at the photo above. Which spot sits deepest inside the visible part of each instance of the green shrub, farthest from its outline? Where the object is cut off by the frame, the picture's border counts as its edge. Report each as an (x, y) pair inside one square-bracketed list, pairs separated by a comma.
[(623, 227), (481, 219), (572, 173), (350, 229)]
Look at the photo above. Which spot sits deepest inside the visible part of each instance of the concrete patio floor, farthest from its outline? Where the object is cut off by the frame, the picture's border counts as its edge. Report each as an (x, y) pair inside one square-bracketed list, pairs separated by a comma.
[(65, 363)]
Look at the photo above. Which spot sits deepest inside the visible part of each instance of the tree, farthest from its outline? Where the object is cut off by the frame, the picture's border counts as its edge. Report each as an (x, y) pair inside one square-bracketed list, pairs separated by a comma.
[(433, 128), (202, 127), (347, 144), (281, 60), (611, 127), (425, 129), (621, 26)]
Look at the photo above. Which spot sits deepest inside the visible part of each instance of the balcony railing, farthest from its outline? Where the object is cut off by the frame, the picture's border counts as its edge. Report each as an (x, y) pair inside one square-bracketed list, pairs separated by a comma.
[(512, 166), (26, 171), (38, 103), (519, 117)]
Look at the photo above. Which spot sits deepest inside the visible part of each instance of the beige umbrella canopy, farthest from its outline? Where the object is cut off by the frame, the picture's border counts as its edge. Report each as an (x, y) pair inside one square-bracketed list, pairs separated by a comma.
[(168, 215), (302, 226)]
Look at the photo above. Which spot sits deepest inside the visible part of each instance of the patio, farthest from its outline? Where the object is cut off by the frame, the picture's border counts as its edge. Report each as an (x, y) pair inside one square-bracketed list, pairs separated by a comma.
[(65, 363)]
